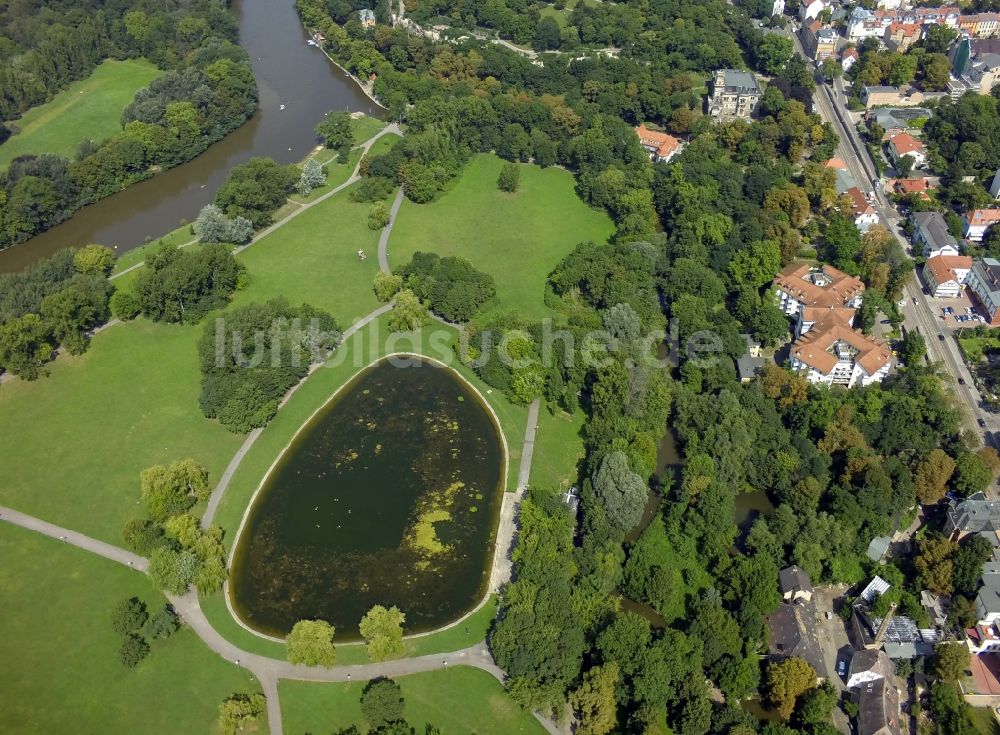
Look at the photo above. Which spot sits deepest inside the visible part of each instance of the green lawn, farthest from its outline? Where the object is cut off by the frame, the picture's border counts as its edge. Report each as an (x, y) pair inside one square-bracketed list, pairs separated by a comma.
[(460, 701), (984, 721), (61, 671), (88, 109), (558, 449), (467, 633), (517, 238), (78, 439)]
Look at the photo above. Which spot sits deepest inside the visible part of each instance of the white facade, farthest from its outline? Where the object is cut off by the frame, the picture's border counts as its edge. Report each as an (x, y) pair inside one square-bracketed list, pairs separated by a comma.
[(811, 10), (778, 8), (847, 373), (995, 186)]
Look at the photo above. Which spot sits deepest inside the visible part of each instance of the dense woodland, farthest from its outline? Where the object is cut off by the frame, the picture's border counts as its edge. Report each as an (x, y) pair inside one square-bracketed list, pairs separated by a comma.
[(698, 242), (208, 90)]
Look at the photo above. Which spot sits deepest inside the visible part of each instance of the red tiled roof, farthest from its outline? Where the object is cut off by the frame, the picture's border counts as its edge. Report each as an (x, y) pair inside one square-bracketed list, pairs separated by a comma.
[(905, 143), (849, 53), (842, 288), (859, 204), (983, 216), (910, 186), (942, 267), (814, 348), (837, 164), (664, 144)]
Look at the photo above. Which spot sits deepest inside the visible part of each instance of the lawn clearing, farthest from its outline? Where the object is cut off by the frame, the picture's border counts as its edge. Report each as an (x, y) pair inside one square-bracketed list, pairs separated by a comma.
[(79, 438), (62, 672), (558, 449), (90, 109), (460, 701), (517, 238)]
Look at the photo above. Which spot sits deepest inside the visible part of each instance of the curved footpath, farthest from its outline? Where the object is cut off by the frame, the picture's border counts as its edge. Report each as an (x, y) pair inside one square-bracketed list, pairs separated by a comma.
[(268, 670)]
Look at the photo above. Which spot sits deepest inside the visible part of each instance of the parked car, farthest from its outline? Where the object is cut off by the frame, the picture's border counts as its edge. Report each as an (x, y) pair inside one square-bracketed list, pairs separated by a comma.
[(982, 423), (941, 337), (841, 667), (961, 381)]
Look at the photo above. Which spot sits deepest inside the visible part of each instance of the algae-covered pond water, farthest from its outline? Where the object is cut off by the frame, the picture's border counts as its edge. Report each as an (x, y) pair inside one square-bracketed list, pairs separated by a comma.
[(390, 495)]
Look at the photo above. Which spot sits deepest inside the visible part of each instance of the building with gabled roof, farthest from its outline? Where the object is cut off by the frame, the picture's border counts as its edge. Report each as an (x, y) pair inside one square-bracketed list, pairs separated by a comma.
[(984, 285), (878, 708), (904, 144), (930, 231), (735, 94), (869, 665), (864, 213), (978, 221), (834, 354), (795, 584), (661, 146), (801, 284), (945, 275)]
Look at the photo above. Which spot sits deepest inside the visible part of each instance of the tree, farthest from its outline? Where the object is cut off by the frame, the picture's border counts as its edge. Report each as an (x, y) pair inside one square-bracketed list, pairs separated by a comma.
[(905, 165), (312, 176), (255, 189), (785, 681), (382, 702), (510, 177), (311, 643), (124, 305), (951, 660), (173, 571), (773, 52), (214, 226), (621, 492), (409, 313), (594, 700), (337, 132), (25, 346), (128, 616), (170, 490), (932, 476), (937, 72), (94, 260), (378, 216), (240, 711), (934, 564), (547, 34), (133, 649), (914, 348), (163, 623), (387, 285), (972, 474), (382, 629)]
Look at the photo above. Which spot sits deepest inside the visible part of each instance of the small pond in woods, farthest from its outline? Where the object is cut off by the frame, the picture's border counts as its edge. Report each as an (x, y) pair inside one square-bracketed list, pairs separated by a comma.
[(389, 495)]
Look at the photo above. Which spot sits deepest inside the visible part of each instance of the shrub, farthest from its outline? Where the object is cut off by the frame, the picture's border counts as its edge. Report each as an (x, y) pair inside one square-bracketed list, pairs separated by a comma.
[(141, 535), (125, 305), (133, 649), (378, 216), (163, 623), (387, 285), (128, 616), (510, 178)]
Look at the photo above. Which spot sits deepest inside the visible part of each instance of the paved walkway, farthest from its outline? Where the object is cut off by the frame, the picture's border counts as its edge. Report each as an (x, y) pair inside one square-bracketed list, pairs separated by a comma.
[(383, 240), (268, 670), (220, 489), (507, 525)]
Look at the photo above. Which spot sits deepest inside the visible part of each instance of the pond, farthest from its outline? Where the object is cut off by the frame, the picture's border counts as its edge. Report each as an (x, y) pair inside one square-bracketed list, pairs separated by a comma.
[(389, 495)]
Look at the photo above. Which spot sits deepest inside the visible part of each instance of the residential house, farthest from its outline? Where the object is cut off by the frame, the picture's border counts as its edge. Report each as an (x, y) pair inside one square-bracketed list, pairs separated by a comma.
[(891, 4), (869, 665), (904, 187), (904, 144), (984, 285), (864, 213), (848, 57), (878, 708), (874, 96), (878, 547), (749, 364), (931, 234), (980, 25), (367, 18), (792, 633), (975, 66), (978, 221), (795, 585), (973, 515), (801, 285), (945, 275), (832, 353), (901, 36), (661, 146), (897, 119), (811, 9), (735, 94), (995, 186), (778, 7), (863, 23), (988, 609), (818, 42)]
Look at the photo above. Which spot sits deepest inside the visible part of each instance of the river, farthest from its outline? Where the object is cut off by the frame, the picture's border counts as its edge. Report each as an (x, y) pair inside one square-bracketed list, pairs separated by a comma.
[(289, 72)]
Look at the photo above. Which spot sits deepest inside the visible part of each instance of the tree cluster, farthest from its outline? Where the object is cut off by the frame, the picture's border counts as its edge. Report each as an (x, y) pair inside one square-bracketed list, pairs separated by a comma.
[(183, 285), (451, 286), (250, 356)]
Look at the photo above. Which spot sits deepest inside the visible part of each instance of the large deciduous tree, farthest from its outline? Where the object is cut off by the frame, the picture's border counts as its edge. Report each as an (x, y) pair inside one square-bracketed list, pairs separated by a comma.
[(311, 643), (382, 629)]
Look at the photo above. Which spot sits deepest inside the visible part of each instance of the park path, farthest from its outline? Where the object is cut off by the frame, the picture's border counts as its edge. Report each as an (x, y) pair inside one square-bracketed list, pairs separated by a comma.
[(391, 129), (215, 498), (383, 240), (268, 671), (509, 509)]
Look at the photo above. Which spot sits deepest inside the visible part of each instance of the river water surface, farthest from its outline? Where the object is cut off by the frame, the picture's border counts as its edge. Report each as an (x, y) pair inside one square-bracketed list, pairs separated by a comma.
[(289, 72)]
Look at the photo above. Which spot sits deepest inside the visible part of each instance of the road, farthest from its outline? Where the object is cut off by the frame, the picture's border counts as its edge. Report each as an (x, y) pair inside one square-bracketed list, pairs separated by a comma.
[(918, 310)]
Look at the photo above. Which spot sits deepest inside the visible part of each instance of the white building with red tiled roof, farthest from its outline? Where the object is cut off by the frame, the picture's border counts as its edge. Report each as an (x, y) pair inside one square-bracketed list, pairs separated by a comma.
[(904, 144), (803, 285), (661, 146), (832, 353), (978, 221), (945, 275)]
